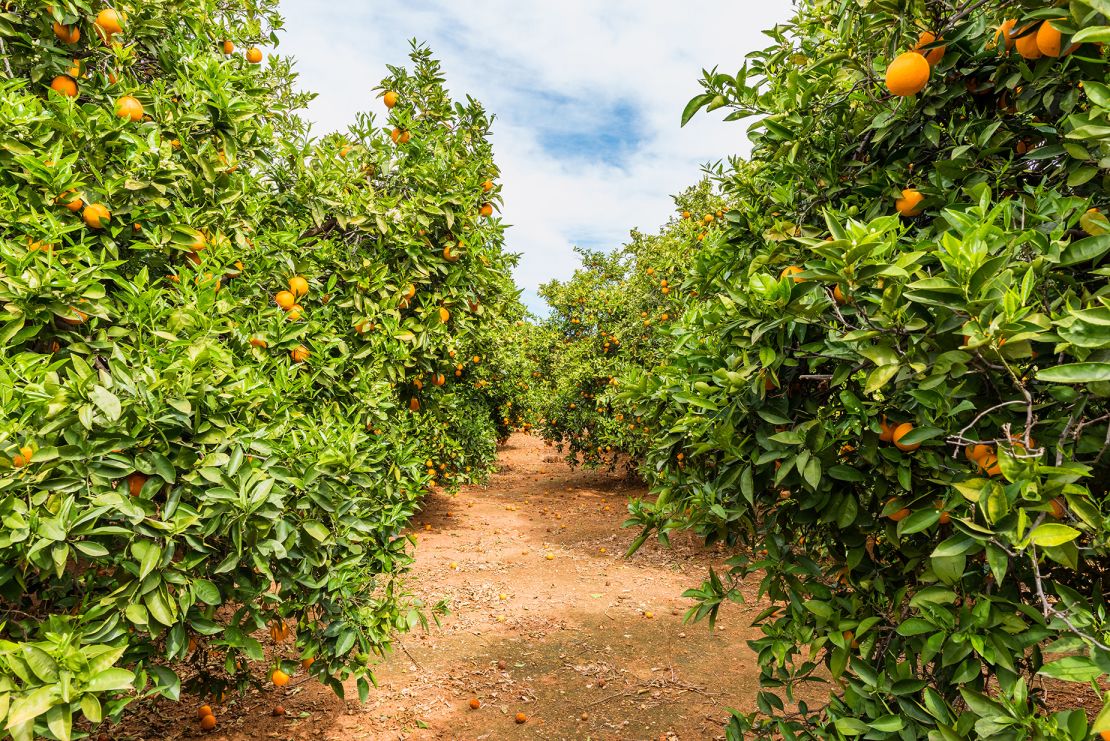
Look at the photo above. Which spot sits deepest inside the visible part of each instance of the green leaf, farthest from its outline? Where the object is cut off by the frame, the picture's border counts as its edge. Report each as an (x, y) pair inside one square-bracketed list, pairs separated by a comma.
[(1092, 34), (1052, 534), (851, 726), (1072, 669), (316, 529), (1075, 373), (106, 401), (207, 592), (111, 680), (30, 706), (1085, 250)]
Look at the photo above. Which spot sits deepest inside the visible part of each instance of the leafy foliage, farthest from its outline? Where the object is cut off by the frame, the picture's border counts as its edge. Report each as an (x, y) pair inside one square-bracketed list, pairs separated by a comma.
[(613, 315), (185, 462), (905, 417)]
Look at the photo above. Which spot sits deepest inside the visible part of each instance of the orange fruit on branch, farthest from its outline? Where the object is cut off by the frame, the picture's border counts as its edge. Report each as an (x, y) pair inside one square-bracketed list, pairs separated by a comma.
[(486, 210), (1048, 39), (254, 55), (1005, 31), (932, 56), (792, 270), (900, 432), (285, 299), (279, 678), (129, 107), (1026, 44), (909, 204), (108, 23), (227, 47), (96, 215), (299, 354), (64, 85), (67, 34), (135, 483), (298, 286), (908, 74), (390, 99)]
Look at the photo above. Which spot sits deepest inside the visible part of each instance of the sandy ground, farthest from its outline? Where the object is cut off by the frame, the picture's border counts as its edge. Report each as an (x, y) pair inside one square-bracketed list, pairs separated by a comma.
[(547, 619)]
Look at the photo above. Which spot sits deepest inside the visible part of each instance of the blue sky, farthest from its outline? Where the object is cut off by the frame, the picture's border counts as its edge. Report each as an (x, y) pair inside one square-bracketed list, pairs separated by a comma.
[(587, 98)]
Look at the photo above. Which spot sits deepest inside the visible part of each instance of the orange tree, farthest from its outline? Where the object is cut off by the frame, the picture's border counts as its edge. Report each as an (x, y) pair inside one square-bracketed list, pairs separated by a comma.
[(227, 349), (615, 314), (895, 387)]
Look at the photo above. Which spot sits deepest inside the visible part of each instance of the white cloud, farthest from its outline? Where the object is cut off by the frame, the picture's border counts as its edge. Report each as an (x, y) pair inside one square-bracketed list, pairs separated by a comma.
[(564, 80)]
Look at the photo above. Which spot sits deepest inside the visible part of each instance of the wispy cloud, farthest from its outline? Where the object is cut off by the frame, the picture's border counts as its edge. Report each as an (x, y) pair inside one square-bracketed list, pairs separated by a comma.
[(587, 97)]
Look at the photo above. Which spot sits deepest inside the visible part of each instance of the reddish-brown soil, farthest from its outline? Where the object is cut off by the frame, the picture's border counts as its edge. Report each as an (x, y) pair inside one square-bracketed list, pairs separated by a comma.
[(547, 619)]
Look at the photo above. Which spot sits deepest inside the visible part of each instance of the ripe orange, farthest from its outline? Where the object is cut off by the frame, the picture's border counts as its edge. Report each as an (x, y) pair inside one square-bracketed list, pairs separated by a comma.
[(67, 34), (989, 464), (487, 186), (129, 107), (64, 85), (839, 297), (1006, 32), (208, 722), (306, 664), (135, 483), (1027, 45), (486, 210), (96, 215), (410, 291), (476, 359), (933, 56), (521, 718), (792, 270), (901, 431), (475, 703), (976, 453), (1048, 39), (75, 204), (285, 300), (108, 23), (299, 353), (258, 342), (298, 286), (227, 47), (294, 313), (448, 255), (279, 678), (444, 315), (907, 205), (414, 404), (204, 710), (708, 218), (254, 55), (908, 74), (279, 631), (390, 99), (900, 514), (23, 457), (1057, 507), (439, 379)]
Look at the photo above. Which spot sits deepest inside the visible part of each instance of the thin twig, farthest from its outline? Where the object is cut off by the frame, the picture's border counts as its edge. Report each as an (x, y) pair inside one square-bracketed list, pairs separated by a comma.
[(1050, 611)]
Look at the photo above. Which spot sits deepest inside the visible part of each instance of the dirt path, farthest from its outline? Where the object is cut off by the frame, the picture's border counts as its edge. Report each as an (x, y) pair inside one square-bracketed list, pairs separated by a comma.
[(546, 619)]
